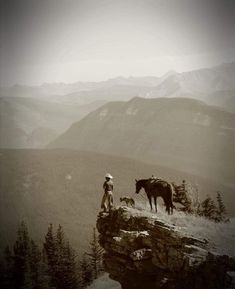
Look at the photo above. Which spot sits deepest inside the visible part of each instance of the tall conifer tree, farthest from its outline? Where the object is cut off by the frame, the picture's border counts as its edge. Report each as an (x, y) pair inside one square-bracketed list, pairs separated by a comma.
[(20, 256), (50, 253), (95, 255)]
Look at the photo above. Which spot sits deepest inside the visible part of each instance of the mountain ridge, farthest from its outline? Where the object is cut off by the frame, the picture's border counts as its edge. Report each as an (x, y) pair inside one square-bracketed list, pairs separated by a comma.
[(56, 107), (195, 84), (167, 131)]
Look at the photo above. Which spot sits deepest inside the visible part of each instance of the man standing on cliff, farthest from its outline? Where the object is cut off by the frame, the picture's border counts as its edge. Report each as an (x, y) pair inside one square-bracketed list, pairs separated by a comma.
[(107, 200)]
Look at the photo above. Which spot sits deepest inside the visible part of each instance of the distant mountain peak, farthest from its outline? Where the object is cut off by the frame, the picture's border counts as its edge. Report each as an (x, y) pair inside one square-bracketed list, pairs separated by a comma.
[(170, 73)]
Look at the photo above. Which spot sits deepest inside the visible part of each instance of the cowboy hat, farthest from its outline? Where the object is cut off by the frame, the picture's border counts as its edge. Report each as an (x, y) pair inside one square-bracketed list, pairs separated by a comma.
[(108, 176)]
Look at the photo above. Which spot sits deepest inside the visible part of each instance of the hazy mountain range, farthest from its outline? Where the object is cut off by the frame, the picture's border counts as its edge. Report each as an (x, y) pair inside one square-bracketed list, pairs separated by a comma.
[(199, 84), (181, 133), (32, 122), (34, 116)]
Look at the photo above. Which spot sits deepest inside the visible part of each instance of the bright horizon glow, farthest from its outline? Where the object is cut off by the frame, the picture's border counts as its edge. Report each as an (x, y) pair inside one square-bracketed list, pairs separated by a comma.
[(68, 73), (86, 40)]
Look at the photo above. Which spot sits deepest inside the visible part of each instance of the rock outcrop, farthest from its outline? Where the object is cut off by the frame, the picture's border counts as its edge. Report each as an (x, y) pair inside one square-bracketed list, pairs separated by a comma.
[(142, 251)]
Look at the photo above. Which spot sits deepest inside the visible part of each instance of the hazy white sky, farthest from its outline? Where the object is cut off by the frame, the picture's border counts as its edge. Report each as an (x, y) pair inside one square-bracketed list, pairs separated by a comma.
[(92, 40)]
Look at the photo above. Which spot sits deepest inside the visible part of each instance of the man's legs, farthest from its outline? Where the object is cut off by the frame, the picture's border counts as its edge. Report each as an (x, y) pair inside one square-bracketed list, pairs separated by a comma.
[(110, 200), (103, 202)]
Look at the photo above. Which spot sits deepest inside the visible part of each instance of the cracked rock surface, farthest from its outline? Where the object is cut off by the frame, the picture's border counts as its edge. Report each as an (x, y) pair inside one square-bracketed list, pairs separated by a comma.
[(141, 251)]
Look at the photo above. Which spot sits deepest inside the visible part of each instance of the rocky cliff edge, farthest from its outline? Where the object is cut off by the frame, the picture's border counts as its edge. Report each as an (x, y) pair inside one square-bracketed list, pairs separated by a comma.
[(141, 251)]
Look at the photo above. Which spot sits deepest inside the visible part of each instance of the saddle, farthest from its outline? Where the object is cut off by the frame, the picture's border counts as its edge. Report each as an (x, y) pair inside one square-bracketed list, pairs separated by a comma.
[(154, 180)]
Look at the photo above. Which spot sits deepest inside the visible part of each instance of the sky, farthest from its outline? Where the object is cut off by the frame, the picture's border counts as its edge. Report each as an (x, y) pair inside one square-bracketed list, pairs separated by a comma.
[(93, 40)]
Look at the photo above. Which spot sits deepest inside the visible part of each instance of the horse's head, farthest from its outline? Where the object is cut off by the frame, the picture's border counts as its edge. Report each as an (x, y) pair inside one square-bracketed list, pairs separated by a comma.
[(138, 186)]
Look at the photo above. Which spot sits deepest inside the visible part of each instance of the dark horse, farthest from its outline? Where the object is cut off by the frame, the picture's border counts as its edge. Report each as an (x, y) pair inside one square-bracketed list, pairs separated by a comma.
[(157, 188)]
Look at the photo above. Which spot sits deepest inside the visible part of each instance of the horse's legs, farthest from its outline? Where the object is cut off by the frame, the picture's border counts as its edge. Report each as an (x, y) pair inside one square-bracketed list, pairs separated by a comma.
[(168, 209), (167, 205), (150, 202), (171, 192), (155, 203)]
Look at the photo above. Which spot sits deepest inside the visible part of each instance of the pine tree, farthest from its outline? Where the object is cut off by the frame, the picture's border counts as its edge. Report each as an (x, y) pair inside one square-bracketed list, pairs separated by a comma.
[(44, 278), (29, 267), (61, 260), (181, 196), (20, 256), (221, 215), (207, 209), (70, 267), (95, 255), (50, 254), (8, 256), (35, 258), (66, 262), (85, 272), (22, 265), (7, 275)]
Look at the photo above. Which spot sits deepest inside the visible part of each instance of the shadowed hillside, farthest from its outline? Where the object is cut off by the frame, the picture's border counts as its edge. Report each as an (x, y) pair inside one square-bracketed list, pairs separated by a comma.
[(183, 134)]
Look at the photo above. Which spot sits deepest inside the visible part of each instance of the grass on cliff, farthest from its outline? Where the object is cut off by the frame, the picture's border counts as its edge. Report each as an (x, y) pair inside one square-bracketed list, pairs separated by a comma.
[(220, 235)]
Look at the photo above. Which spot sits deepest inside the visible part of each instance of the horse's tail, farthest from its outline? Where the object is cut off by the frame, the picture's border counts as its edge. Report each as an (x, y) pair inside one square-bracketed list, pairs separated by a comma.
[(171, 192)]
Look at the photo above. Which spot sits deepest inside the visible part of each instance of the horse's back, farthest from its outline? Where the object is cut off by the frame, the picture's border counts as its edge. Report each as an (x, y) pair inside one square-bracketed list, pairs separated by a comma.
[(157, 183)]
